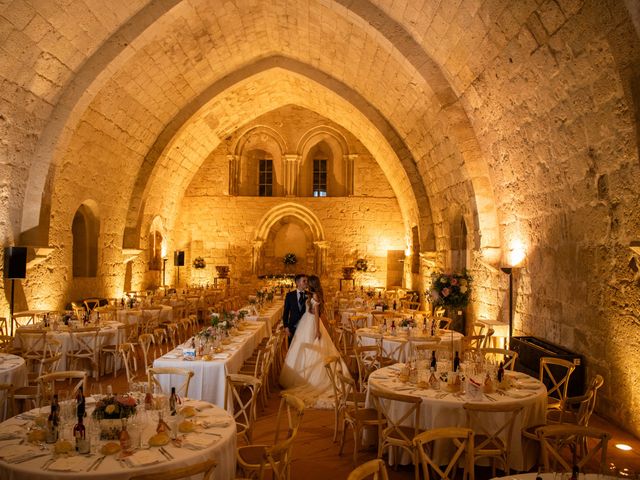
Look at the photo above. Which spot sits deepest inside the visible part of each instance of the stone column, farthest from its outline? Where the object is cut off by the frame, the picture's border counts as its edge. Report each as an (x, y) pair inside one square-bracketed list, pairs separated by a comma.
[(322, 248), (349, 161), (256, 255), (291, 172), (234, 174)]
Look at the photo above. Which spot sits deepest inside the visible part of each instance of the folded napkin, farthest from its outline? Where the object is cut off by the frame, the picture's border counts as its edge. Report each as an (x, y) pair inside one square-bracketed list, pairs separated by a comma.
[(71, 464), (144, 457), (221, 356), (197, 404), (517, 394), (214, 422), (11, 431), (12, 441), (16, 453), (198, 441), (528, 385)]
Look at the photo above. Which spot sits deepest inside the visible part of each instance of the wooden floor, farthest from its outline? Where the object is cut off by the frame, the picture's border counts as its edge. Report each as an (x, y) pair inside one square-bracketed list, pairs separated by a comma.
[(316, 456)]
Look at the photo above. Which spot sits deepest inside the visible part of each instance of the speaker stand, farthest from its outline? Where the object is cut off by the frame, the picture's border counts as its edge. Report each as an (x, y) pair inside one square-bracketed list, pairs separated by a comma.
[(13, 287), (178, 282)]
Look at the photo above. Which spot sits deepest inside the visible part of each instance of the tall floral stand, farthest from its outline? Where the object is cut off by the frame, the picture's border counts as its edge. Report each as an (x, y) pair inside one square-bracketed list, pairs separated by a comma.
[(458, 318)]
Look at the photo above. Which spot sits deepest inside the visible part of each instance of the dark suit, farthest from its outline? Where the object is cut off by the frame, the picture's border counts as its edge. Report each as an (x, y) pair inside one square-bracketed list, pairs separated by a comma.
[(292, 312)]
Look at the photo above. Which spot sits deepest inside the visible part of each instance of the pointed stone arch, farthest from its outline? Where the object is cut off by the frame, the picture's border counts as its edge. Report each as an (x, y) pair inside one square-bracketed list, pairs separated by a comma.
[(304, 215)]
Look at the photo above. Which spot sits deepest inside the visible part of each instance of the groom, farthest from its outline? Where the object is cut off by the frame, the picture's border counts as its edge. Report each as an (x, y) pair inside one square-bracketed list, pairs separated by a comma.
[(295, 305)]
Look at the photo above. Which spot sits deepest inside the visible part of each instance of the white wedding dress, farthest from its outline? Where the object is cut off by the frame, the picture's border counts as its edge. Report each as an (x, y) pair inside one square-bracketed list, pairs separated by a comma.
[(303, 373)]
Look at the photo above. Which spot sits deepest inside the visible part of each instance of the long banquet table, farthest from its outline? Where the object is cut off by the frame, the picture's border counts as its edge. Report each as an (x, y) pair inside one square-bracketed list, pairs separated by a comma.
[(218, 442), (442, 409), (208, 382), (270, 315)]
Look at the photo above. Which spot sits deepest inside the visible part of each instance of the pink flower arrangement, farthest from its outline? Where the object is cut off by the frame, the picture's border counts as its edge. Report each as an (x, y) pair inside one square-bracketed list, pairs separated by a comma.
[(450, 289)]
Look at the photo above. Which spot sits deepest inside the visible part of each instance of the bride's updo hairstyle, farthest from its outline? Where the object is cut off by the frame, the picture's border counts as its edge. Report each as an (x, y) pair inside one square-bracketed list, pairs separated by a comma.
[(316, 287)]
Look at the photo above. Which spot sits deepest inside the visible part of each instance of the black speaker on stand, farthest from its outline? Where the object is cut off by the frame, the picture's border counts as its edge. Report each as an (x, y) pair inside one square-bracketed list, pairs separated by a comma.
[(178, 261), (15, 268)]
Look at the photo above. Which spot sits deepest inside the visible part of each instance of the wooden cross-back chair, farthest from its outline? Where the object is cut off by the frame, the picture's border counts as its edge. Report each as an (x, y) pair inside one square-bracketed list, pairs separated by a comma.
[(154, 374), (509, 357), (85, 347), (554, 439), (397, 431), (242, 392), (354, 413), (275, 458), (493, 441), (462, 438), (206, 468), (373, 468), (47, 384), (555, 374)]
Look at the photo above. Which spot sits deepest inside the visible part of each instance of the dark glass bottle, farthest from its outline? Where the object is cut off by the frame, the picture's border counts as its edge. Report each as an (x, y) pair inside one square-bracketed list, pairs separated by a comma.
[(81, 408), (148, 400), (395, 305), (575, 473), (433, 328), (80, 434), (173, 400), (434, 363), (53, 421), (456, 362), (500, 372)]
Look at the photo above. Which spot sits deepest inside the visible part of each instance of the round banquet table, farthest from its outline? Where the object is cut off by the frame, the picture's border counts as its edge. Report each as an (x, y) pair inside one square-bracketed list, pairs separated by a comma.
[(219, 443), (13, 369), (442, 409), (397, 346), (555, 476)]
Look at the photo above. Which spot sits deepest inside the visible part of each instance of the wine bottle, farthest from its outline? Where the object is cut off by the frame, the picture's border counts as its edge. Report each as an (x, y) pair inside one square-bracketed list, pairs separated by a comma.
[(172, 401), (456, 362), (53, 421), (80, 434), (434, 363), (125, 439), (500, 372)]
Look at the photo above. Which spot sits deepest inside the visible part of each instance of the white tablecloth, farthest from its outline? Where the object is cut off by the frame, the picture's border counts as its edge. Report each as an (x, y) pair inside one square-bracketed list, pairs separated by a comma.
[(270, 315), (448, 411), (208, 381), (13, 369), (397, 347), (223, 450), (163, 314), (107, 336)]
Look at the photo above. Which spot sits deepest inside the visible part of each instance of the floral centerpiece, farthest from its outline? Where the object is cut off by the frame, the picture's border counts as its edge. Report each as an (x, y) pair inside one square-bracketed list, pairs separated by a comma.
[(450, 289), (110, 411), (362, 265), (290, 259), (199, 262)]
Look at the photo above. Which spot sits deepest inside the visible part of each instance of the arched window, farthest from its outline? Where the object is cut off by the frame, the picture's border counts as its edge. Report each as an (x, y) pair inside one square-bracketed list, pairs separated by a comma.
[(155, 250), (459, 244), (265, 177), (85, 230)]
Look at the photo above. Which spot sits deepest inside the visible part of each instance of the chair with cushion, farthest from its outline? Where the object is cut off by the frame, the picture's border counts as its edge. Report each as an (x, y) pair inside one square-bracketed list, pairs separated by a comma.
[(559, 442), (463, 440), (277, 457), (494, 441), (155, 373), (395, 430), (206, 468), (242, 391), (373, 468)]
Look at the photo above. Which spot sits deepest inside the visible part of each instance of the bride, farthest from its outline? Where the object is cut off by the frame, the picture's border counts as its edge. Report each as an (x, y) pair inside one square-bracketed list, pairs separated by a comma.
[(303, 373)]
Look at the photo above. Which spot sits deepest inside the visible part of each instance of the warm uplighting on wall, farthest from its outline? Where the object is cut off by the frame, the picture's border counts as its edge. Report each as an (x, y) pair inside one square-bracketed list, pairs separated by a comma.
[(517, 252), (624, 447)]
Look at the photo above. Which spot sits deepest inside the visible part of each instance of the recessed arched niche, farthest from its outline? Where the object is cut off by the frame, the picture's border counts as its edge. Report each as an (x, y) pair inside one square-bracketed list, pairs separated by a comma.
[(85, 229), (289, 235)]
